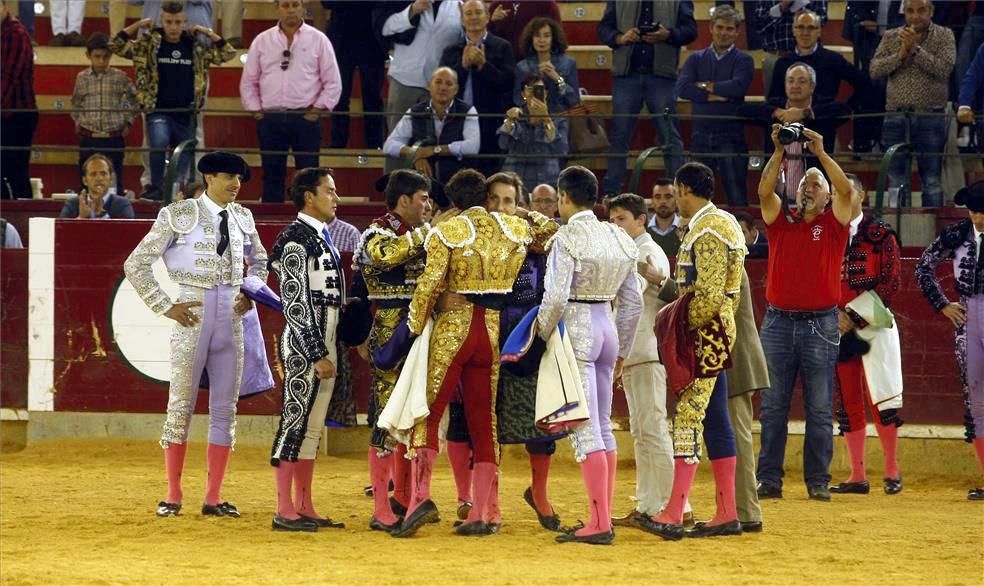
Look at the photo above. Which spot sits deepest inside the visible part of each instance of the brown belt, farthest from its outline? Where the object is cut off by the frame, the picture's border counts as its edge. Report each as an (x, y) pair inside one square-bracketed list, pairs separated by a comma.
[(91, 134)]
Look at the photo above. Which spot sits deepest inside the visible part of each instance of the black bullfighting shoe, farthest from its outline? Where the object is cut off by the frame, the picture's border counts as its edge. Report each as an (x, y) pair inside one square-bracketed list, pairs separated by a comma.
[(751, 527), (473, 529), (220, 510), (702, 529), (892, 485), (667, 531), (398, 509), (548, 522), (165, 509), (325, 523), (299, 524), (976, 494), (425, 513), (377, 525), (464, 509), (851, 488), (603, 538)]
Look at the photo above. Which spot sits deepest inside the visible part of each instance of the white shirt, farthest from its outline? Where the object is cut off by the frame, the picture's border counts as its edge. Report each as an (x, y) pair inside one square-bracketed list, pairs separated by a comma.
[(855, 223), (310, 221), (673, 225), (213, 208), (403, 133), (413, 64), (977, 241)]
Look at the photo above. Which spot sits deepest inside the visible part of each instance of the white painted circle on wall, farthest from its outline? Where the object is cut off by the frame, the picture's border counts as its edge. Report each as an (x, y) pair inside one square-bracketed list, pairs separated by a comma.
[(142, 337)]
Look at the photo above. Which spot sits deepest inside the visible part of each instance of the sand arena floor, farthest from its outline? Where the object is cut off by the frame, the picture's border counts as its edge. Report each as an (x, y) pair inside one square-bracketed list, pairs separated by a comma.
[(81, 512)]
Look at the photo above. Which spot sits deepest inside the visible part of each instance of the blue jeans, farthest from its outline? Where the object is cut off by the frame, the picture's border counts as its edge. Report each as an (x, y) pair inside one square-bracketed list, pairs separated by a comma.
[(806, 346), (733, 169), (927, 135), (164, 131), (628, 94)]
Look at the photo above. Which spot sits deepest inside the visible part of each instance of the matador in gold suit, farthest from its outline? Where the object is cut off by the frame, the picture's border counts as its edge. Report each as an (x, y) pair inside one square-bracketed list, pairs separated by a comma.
[(476, 254), (709, 268), (390, 257)]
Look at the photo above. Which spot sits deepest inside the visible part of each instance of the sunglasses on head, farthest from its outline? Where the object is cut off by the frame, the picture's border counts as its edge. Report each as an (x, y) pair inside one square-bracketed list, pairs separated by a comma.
[(286, 62)]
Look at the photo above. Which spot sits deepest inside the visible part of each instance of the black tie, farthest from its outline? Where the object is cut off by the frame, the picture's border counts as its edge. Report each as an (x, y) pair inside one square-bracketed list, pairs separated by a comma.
[(223, 232), (980, 251)]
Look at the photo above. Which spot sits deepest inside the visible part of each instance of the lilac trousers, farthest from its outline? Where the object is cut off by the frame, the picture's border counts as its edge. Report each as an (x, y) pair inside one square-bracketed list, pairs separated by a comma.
[(975, 361), (595, 342), (214, 344)]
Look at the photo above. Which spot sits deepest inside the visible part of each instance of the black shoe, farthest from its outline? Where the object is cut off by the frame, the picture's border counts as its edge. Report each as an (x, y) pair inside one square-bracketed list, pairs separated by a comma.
[(464, 509), (603, 538), (152, 193), (548, 522), (425, 513), (475, 528), (751, 526), (369, 491), (165, 509), (892, 485), (702, 529), (667, 531), (377, 525), (768, 491), (301, 524), (494, 527), (220, 510), (398, 509), (976, 494), (818, 492), (325, 523), (851, 488)]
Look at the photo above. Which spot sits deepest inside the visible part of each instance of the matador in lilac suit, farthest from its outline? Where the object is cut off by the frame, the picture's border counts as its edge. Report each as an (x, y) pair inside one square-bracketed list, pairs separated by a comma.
[(590, 264), (204, 243)]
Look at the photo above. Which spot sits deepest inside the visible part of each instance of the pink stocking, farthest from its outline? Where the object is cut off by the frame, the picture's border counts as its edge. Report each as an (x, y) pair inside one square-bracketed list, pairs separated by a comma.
[(484, 477), (284, 473), (217, 458), (174, 457), (683, 479), (724, 483), (594, 470), (303, 479), (855, 450), (379, 473), (460, 455), (889, 436)]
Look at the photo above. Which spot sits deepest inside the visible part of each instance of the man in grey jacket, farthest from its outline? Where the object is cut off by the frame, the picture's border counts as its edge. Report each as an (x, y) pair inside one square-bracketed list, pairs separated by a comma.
[(645, 37)]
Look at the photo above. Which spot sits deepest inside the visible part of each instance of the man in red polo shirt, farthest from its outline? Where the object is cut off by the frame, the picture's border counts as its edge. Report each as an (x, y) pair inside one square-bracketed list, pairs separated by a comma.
[(800, 329)]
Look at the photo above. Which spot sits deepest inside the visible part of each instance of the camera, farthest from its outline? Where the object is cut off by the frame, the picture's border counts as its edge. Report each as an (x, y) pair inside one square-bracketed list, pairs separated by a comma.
[(793, 132)]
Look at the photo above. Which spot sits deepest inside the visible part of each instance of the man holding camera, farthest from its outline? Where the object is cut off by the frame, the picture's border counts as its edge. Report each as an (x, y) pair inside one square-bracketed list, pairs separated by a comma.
[(800, 329)]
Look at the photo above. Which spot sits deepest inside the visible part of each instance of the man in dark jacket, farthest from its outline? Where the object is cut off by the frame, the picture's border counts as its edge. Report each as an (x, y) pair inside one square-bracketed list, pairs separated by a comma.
[(485, 65)]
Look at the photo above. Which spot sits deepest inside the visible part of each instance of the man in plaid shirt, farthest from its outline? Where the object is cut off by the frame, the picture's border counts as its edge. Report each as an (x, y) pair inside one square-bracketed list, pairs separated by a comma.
[(103, 107)]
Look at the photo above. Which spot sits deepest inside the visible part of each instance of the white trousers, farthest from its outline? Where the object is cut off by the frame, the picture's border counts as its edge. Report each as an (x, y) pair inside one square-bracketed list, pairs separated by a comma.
[(316, 419), (66, 16), (645, 392)]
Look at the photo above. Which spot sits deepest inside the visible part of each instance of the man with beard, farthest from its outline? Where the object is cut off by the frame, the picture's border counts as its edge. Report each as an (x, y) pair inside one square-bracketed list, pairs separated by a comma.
[(665, 225), (800, 329)]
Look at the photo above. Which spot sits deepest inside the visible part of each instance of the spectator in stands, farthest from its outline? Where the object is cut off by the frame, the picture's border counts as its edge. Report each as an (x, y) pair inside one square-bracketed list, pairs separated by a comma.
[(543, 199), (800, 329), (645, 38), (18, 106), (9, 237), (831, 67), (971, 94), (415, 56), (485, 66), (66, 23), (716, 80), (351, 27), (917, 60), (510, 19), (531, 131), (97, 199), (755, 239), (104, 103), (191, 190), (171, 67), (665, 224), (231, 13), (544, 44), (776, 20), (798, 106), (290, 81), (971, 39), (344, 236), (24, 11), (447, 127)]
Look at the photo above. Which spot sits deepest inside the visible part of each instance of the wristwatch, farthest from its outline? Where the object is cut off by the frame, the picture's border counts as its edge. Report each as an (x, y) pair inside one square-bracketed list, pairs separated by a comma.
[(438, 150)]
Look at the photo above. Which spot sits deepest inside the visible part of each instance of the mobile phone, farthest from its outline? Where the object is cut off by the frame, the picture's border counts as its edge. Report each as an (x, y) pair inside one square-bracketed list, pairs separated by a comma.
[(645, 29), (540, 92)]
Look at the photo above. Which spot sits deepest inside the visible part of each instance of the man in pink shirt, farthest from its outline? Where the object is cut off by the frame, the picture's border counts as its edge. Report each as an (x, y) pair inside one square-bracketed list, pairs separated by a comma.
[(290, 80)]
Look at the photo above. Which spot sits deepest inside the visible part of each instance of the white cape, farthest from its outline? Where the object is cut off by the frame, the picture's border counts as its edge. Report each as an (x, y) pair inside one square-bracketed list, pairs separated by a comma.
[(883, 362), (560, 399), (408, 403)]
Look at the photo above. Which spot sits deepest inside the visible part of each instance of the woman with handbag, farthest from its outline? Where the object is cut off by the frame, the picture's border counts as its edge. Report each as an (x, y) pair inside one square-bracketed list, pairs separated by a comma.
[(534, 142)]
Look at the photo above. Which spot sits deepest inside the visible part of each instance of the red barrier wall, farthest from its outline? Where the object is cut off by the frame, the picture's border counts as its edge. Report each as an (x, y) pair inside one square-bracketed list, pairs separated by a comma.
[(89, 374)]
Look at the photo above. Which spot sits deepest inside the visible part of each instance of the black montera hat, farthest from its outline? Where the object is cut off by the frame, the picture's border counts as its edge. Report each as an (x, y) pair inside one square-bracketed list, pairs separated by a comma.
[(223, 162), (971, 196)]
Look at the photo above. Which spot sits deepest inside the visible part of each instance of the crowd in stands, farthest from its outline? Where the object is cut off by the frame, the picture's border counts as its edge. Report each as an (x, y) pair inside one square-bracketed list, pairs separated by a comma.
[(490, 86)]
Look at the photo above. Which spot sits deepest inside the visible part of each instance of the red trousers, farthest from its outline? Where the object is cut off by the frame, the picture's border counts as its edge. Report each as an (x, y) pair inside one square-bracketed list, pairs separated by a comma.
[(854, 393), (473, 367)]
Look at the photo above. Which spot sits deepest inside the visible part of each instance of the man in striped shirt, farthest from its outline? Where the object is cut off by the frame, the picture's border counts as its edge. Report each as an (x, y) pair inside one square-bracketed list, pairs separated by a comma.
[(20, 116)]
